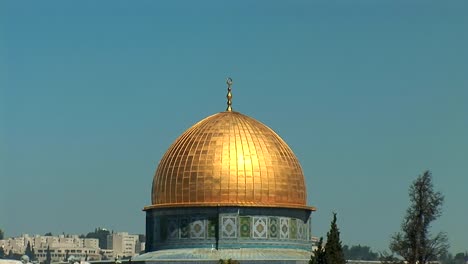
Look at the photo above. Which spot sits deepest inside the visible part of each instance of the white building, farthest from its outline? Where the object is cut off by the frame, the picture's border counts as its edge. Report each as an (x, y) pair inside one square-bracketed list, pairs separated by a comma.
[(59, 246), (122, 244), (107, 254), (140, 247)]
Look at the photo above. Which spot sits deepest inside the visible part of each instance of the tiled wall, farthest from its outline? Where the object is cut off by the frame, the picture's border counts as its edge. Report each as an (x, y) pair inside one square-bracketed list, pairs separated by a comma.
[(231, 229)]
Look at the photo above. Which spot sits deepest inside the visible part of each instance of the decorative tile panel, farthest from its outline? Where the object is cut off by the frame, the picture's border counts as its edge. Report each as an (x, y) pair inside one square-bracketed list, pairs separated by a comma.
[(293, 228), (197, 228), (310, 229), (184, 228), (156, 231), (284, 228), (211, 227), (245, 226), (301, 230), (273, 227), (229, 226), (172, 228), (260, 227), (306, 231)]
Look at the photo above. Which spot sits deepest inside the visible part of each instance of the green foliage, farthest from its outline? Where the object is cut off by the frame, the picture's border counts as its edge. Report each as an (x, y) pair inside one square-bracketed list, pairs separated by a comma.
[(319, 254), (2, 253), (414, 243), (386, 258), (2, 234), (359, 253), (67, 254), (12, 255), (48, 259), (29, 252), (459, 258), (103, 256), (228, 261), (333, 248), (101, 234), (48, 234)]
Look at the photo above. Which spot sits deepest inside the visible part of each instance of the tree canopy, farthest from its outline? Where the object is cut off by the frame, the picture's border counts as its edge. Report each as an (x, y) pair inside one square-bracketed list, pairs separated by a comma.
[(319, 254), (30, 252), (2, 253), (459, 258), (101, 234), (414, 243), (333, 248), (48, 259), (359, 253)]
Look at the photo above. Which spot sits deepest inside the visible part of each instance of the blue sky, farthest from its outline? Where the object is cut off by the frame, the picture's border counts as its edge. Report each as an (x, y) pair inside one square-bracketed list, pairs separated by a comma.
[(368, 94)]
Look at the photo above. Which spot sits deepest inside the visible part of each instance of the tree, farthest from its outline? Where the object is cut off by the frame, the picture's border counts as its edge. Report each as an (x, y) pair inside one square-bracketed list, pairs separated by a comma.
[(414, 243), (333, 249), (103, 257), (2, 234), (460, 258), (33, 254), (319, 254), (2, 253), (48, 259), (359, 253), (228, 261), (48, 234), (101, 234), (29, 251)]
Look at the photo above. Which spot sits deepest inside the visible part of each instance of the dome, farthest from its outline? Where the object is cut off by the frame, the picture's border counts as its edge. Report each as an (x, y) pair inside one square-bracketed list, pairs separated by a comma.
[(229, 159)]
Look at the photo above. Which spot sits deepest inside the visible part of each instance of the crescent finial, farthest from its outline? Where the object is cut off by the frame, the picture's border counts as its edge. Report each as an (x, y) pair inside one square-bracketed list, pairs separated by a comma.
[(229, 95)]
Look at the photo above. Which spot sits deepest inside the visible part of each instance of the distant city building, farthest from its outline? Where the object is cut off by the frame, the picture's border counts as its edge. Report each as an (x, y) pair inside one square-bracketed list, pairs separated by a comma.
[(123, 244), (107, 254), (60, 246), (120, 244), (140, 247)]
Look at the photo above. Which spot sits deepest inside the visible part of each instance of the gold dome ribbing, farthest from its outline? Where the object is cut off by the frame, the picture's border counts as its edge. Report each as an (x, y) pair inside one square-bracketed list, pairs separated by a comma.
[(229, 159)]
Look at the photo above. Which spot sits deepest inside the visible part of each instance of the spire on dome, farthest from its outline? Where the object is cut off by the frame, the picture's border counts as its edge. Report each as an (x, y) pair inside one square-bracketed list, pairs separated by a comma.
[(229, 95)]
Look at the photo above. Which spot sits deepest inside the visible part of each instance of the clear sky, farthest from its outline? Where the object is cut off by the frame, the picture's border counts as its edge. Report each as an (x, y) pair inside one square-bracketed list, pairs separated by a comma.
[(368, 94)]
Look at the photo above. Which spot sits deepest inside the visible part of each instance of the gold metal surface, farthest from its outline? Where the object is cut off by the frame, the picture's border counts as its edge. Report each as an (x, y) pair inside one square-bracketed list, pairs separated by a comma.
[(229, 159)]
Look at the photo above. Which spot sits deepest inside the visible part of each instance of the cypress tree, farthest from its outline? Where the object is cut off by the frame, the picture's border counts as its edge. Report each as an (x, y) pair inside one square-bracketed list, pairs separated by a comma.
[(28, 251), (319, 254), (33, 254), (333, 248), (48, 256), (66, 256)]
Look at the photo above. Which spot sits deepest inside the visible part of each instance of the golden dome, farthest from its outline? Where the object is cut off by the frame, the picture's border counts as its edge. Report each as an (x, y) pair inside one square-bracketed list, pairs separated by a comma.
[(229, 159)]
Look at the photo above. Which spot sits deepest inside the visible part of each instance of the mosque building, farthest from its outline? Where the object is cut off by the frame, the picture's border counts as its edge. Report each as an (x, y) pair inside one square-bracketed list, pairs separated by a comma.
[(228, 188)]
